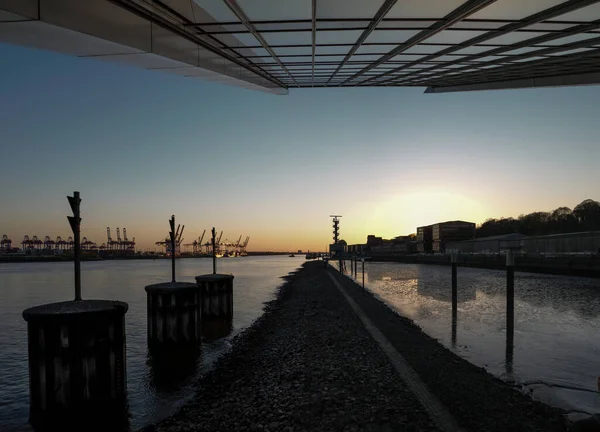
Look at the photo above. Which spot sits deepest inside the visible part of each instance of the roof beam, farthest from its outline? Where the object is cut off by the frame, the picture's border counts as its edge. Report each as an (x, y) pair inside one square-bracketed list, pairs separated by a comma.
[(239, 12), (381, 13), (536, 18), (160, 21), (458, 14), (554, 81), (544, 66), (537, 53)]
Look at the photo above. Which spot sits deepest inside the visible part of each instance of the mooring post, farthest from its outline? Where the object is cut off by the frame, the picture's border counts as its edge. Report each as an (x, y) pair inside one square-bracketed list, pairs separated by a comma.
[(76, 353), (215, 304), (172, 310), (75, 222), (454, 259), (172, 233), (214, 251), (363, 271), (510, 294)]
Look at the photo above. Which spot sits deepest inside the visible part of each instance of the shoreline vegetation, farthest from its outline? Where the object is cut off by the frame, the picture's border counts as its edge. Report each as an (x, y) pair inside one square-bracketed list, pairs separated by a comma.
[(308, 363)]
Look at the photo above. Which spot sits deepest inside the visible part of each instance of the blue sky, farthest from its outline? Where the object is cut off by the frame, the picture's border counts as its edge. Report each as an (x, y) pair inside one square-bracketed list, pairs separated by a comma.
[(142, 145)]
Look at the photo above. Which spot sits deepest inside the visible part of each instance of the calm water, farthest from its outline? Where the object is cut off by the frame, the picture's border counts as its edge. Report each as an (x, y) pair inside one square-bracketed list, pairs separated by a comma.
[(556, 354), (30, 284)]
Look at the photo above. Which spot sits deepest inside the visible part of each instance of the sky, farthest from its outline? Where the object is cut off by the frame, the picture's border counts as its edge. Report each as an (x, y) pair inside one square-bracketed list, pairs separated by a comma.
[(141, 146)]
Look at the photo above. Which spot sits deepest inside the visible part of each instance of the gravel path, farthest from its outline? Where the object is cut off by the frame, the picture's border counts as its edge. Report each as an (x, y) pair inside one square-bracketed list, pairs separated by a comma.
[(307, 364), (477, 400)]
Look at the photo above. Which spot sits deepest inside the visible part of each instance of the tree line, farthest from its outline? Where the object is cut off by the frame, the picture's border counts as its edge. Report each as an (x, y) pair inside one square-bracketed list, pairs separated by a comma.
[(584, 217)]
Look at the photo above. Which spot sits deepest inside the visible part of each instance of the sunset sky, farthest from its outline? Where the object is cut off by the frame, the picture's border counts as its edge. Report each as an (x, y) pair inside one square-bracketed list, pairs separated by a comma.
[(141, 146)]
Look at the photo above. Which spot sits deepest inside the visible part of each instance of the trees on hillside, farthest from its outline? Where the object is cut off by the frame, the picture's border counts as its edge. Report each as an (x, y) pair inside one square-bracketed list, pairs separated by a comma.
[(584, 217)]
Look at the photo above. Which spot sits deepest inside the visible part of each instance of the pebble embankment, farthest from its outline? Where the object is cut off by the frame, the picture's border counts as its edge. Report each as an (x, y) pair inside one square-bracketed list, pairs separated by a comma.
[(309, 364)]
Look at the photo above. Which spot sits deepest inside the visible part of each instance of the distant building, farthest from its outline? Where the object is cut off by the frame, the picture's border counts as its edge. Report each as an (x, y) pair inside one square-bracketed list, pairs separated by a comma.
[(451, 231), (581, 242), (568, 243), (425, 239), (493, 244)]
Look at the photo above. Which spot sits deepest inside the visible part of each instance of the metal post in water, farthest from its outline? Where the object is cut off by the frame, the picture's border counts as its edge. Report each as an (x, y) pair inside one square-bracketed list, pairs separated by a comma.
[(75, 222), (510, 295), (172, 235), (454, 283), (214, 251), (363, 271)]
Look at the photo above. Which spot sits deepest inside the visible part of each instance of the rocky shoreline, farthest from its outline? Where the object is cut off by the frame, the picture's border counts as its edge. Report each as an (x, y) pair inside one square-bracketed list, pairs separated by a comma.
[(309, 364)]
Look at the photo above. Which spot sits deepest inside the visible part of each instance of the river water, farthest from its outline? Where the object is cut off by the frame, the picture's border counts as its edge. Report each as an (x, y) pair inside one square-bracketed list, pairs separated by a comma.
[(29, 284), (556, 354)]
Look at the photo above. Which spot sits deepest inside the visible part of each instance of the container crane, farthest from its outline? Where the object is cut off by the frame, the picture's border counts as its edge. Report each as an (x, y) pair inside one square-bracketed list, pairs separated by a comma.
[(36, 242), (243, 248), (6, 243), (48, 243), (119, 241), (179, 239), (129, 245), (26, 243), (109, 240), (60, 243), (197, 245), (125, 239)]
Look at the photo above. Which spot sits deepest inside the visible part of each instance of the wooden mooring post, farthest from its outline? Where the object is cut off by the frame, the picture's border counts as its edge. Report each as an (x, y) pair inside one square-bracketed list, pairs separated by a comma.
[(172, 310), (76, 356)]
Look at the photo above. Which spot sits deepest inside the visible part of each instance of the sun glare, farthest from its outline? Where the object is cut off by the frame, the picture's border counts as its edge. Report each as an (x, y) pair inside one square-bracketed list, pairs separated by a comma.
[(402, 214)]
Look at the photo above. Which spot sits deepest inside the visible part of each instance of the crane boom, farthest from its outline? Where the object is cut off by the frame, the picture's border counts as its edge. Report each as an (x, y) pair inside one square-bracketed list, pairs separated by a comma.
[(125, 234), (180, 234), (220, 235), (202, 237), (108, 234), (237, 244), (118, 235)]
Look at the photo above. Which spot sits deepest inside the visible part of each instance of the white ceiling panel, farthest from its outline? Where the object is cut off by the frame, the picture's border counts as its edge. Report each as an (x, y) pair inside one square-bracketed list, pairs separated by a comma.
[(514, 9), (423, 8), (269, 10), (347, 8)]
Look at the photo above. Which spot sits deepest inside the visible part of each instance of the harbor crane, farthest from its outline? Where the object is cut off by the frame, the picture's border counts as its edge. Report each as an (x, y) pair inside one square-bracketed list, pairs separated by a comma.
[(198, 244), (119, 241), (5, 243), (109, 241)]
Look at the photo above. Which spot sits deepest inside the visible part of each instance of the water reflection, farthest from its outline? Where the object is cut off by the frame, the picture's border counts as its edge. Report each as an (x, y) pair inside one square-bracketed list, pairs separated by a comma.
[(170, 369), (213, 329), (556, 322), (454, 324), (152, 394)]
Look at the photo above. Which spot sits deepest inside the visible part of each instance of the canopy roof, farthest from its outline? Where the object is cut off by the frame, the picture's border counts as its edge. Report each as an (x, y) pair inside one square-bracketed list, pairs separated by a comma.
[(273, 45)]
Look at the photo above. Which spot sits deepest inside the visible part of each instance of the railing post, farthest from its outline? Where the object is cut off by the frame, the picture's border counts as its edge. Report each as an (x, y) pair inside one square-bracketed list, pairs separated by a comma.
[(454, 259), (510, 294), (363, 271)]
